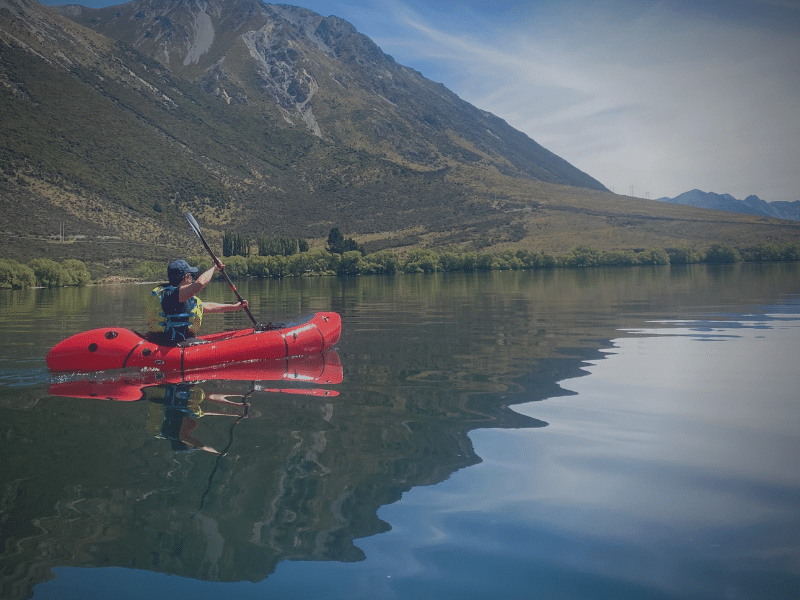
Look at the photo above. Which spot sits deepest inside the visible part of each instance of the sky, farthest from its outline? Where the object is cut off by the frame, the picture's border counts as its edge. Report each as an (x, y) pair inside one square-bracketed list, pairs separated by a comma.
[(652, 98)]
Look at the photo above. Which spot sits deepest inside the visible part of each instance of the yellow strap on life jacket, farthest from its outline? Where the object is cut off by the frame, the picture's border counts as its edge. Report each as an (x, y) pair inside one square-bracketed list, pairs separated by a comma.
[(155, 314), (197, 316)]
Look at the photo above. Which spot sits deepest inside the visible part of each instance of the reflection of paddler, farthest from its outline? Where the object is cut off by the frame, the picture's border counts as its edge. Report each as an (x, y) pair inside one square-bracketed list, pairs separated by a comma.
[(174, 410)]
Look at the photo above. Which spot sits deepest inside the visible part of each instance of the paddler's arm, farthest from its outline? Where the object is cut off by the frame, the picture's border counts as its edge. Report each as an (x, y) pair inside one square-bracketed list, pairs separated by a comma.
[(215, 307), (189, 290)]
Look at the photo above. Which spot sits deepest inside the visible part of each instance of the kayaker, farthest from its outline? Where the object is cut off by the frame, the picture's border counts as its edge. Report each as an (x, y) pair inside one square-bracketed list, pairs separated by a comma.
[(181, 311)]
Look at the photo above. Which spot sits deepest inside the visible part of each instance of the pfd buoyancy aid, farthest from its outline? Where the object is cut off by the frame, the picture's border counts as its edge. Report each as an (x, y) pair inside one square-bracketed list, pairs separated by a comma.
[(179, 320)]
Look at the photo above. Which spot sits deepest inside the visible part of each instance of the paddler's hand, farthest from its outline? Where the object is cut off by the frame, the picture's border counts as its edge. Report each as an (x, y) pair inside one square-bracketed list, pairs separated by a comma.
[(241, 305)]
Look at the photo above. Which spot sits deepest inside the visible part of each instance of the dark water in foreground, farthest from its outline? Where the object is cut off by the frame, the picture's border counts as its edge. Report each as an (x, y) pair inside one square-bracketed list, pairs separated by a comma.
[(627, 433)]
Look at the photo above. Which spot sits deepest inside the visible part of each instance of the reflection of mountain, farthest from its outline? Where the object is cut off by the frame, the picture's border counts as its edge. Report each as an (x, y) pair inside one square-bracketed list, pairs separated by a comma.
[(304, 476)]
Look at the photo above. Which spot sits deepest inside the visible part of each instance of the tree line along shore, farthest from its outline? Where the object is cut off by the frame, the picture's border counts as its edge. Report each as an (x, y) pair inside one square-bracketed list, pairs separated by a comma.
[(43, 272)]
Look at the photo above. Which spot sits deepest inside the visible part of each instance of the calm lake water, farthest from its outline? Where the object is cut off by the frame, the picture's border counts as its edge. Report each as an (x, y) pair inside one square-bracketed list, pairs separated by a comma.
[(615, 433)]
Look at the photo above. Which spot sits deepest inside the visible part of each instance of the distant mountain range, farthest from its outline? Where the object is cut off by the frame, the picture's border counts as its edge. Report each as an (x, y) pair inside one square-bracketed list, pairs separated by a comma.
[(752, 205)]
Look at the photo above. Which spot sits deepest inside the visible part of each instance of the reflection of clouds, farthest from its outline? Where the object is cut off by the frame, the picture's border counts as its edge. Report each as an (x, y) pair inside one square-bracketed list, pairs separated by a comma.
[(667, 429)]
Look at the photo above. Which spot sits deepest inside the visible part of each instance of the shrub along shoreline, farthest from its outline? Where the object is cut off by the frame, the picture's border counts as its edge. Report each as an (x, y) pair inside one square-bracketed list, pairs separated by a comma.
[(319, 261)]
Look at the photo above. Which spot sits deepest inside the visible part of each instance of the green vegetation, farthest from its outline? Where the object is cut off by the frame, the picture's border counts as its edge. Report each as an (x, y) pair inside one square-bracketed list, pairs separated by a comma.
[(771, 253), (14, 275), (234, 244), (150, 270), (320, 261), (281, 246), (43, 272), (722, 254), (337, 243)]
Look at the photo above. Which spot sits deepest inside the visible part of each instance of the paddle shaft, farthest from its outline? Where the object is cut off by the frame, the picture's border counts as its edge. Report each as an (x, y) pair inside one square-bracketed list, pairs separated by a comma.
[(196, 229)]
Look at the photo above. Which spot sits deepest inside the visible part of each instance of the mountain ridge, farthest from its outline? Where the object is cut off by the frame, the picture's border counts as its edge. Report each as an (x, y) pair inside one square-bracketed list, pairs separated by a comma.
[(752, 205), (294, 51)]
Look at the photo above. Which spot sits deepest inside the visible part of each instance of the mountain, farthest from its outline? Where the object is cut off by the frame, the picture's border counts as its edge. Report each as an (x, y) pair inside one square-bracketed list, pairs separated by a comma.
[(752, 205), (787, 210), (271, 119), (320, 74)]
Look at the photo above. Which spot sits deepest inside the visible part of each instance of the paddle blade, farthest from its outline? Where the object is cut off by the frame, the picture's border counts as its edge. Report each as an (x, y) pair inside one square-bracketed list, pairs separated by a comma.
[(193, 223)]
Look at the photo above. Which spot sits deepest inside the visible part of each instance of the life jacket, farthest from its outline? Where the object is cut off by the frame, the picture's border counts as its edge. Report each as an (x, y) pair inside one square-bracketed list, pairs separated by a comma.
[(178, 326)]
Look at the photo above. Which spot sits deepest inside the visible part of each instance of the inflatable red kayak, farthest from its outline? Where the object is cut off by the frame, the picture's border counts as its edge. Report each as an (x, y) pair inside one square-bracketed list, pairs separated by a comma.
[(112, 348)]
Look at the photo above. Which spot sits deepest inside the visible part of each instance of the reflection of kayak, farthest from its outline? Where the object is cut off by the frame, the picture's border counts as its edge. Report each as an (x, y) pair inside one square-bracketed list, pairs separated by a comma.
[(319, 369), (116, 348)]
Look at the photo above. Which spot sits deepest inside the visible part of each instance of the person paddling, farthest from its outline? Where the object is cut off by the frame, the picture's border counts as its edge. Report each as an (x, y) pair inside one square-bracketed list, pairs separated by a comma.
[(181, 311)]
